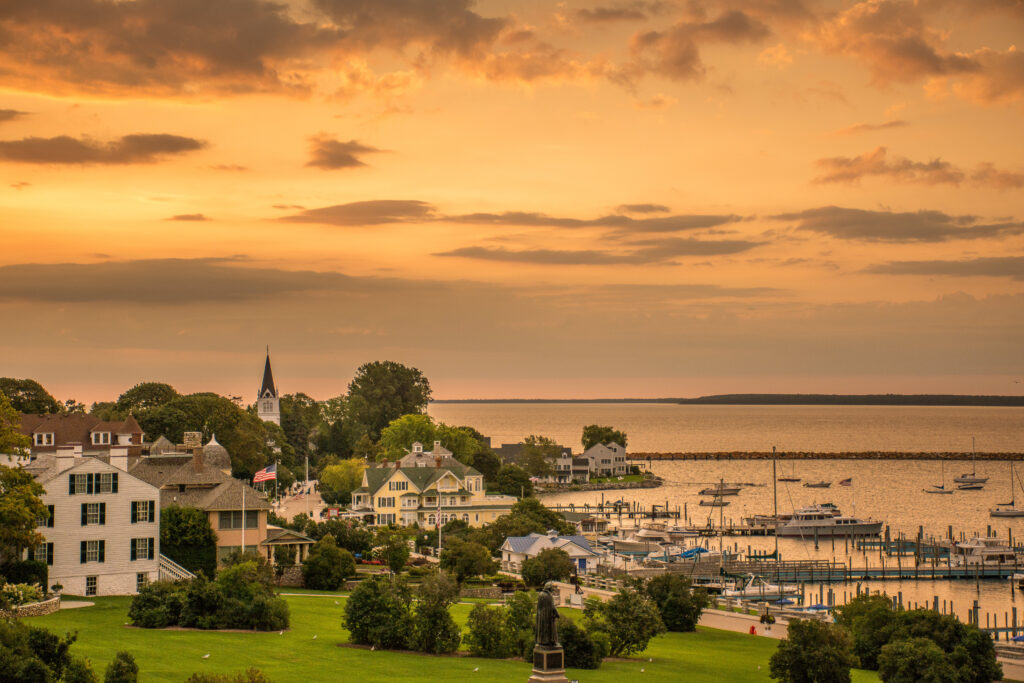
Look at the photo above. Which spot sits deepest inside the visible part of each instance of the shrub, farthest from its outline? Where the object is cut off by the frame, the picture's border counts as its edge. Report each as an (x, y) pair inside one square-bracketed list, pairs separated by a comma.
[(433, 629), (53, 650), (157, 605), (269, 614), (813, 652), (203, 606), (251, 675), (871, 622), (551, 564), (241, 600), (25, 571), (489, 633), (327, 566), (630, 619), (392, 549), (379, 613), (79, 670), (581, 652), (465, 558), (913, 660), (14, 594), (246, 579), (679, 604), (522, 615), (122, 669)]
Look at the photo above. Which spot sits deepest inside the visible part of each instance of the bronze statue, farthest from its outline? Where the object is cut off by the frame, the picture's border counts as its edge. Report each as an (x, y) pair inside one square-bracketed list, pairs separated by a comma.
[(547, 632)]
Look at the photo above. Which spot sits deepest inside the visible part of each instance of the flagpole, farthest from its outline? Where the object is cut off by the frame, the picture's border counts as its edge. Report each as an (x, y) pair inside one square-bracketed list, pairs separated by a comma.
[(243, 516), (276, 497), (305, 493)]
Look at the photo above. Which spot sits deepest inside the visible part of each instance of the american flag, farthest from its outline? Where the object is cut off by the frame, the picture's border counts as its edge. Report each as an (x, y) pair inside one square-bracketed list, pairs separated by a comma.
[(266, 474)]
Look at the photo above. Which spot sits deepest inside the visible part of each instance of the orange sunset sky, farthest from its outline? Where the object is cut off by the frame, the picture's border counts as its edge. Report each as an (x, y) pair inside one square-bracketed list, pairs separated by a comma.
[(522, 199)]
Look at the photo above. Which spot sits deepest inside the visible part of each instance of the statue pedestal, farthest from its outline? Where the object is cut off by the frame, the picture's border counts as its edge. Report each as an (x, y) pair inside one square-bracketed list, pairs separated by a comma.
[(548, 664)]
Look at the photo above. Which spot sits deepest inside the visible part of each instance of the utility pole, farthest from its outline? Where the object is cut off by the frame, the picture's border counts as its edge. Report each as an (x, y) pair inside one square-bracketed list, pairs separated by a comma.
[(306, 492), (244, 485)]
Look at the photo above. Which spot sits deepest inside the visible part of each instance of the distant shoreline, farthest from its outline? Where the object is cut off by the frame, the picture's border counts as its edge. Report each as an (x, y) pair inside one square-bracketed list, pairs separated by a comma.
[(866, 455), (937, 400)]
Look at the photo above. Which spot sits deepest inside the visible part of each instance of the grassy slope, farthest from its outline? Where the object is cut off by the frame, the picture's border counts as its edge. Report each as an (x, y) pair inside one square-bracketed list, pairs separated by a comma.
[(708, 655)]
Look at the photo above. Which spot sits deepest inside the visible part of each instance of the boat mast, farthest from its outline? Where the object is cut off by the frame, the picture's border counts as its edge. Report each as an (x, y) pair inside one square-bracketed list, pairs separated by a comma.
[(721, 525), (974, 456), (775, 503)]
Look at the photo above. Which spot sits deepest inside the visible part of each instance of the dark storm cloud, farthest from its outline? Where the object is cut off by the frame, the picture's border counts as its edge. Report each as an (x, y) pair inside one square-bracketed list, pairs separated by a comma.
[(889, 226), (10, 114), (675, 52), (642, 208), (333, 154), (189, 217), (643, 252), (371, 212), (376, 212), (998, 266), (129, 149), (871, 127), (165, 281)]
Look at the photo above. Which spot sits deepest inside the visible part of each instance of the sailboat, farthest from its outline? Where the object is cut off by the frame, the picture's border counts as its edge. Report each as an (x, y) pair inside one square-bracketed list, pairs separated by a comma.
[(1007, 509), (940, 488), (792, 478), (973, 477)]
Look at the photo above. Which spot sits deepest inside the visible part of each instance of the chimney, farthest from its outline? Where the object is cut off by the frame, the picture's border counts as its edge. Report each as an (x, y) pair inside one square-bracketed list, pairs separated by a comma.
[(197, 458), (119, 457), (437, 462), (397, 463), (437, 447), (65, 457)]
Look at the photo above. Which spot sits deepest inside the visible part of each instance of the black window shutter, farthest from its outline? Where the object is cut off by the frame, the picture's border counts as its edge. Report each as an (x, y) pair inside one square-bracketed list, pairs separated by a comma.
[(135, 513), (83, 552), (103, 513), (151, 514), (85, 514), (49, 522), (71, 484), (102, 550), (151, 544), (49, 554), (113, 483), (134, 550), (88, 483), (31, 554)]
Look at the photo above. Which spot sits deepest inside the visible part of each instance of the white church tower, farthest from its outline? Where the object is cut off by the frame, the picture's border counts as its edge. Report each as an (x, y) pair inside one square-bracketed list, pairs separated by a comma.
[(268, 405)]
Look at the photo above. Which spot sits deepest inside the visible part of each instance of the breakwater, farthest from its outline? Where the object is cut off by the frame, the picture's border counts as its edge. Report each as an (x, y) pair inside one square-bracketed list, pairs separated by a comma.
[(803, 455), (647, 483)]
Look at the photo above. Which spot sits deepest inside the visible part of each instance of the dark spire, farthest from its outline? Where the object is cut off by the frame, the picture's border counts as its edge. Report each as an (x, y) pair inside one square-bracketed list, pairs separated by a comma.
[(268, 388)]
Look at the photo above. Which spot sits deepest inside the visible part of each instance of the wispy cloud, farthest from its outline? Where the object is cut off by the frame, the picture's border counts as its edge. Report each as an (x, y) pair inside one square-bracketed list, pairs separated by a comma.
[(993, 266), (901, 169), (871, 127), (128, 149), (890, 226)]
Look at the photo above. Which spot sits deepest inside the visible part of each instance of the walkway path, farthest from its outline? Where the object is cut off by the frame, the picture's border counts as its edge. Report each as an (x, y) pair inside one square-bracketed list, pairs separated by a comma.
[(74, 604)]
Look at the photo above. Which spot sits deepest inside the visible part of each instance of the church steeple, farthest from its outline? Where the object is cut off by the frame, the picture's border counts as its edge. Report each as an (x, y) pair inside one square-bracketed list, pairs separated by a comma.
[(268, 404), (268, 390)]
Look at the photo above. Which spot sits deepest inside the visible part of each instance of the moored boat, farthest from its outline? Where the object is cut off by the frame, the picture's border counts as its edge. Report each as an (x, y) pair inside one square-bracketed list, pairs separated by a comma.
[(754, 587), (826, 520), (720, 491), (818, 485)]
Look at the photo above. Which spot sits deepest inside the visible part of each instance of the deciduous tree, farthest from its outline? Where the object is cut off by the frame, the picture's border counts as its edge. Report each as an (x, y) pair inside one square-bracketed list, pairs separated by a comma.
[(550, 564), (465, 559), (630, 619), (382, 391), (29, 396), (813, 652), (595, 434), (21, 508)]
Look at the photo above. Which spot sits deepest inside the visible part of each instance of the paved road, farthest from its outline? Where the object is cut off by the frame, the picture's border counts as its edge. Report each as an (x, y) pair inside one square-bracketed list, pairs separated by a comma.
[(294, 505)]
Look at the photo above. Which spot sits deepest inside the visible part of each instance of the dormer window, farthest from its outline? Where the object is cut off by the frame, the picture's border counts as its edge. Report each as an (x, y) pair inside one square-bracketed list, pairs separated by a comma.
[(101, 438), (43, 438)]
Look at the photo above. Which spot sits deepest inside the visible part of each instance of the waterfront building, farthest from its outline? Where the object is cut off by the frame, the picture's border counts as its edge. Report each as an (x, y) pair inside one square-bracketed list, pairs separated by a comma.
[(103, 533), (427, 496), (517, 549), (607, 460)]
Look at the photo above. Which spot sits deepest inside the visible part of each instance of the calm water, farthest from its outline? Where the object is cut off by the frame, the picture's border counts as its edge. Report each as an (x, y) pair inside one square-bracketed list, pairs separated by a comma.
[(890, 490), (659, 427)]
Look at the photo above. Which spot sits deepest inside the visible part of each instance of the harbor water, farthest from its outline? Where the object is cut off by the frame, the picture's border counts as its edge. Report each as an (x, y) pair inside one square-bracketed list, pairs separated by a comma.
[(890, 490)]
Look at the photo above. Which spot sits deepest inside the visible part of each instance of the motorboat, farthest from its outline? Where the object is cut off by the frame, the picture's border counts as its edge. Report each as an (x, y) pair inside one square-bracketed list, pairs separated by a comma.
[(754, 587), (679, 533), (818, 485), (826, 520), (714, 503), (982, 551), (973, 477), (1008, 509), (640, 541), (970, 487), (720, 491)]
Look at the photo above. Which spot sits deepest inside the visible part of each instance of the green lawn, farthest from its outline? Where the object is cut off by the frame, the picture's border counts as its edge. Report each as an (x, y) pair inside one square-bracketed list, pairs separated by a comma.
[(708, 655)]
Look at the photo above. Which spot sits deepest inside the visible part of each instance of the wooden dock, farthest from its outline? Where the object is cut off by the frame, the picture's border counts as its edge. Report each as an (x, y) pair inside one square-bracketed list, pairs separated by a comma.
[(824, 571)]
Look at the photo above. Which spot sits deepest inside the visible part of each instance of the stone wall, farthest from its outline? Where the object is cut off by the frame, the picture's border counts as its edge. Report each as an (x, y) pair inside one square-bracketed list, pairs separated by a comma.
[(486, 592), (292, 577), (35, 609)]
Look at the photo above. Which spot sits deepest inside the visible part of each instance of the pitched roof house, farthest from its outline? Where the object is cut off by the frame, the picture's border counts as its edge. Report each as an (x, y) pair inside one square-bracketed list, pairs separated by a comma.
[(95, 436), (607, 460), (517, 549), (427, 496)]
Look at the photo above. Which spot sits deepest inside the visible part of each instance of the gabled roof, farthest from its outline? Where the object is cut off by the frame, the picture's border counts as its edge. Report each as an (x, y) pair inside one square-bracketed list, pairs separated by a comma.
[(534, 543), (277, 535), (74, 427), (267, 389), (420, 477), (207, 489)]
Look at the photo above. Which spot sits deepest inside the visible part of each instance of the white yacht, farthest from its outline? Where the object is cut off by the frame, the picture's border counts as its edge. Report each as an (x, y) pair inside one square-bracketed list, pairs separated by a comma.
[(982, 551), (753, 587), (826, 520)]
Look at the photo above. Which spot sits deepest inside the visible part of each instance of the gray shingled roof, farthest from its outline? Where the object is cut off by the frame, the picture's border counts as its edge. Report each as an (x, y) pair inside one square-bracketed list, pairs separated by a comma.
[(520, 544)]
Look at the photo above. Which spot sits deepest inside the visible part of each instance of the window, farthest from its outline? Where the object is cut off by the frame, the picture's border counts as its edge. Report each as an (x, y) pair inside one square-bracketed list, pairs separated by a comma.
[(386, 519), (100, 438), (465, 518), (398, 486), (43, 439), (385, 501), (226, 551), (232, 519), (142, 549), (94, 513), (106, 482), (432, 520), (268, 406), (141, 580), (143, 511), (93, 551), (48, 520), (410, 502), (90, 585), (42, 553)]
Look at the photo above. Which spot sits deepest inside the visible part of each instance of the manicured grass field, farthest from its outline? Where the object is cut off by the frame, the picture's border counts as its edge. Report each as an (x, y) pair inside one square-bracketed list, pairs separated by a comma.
[(708, 655)]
